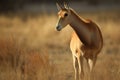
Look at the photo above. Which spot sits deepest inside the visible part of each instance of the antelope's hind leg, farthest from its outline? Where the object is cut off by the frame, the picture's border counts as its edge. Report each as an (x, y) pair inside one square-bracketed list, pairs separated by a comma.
[(92, 62)]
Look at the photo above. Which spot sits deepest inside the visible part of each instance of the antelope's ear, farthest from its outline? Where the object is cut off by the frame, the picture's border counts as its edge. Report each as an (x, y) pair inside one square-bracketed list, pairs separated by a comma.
[(58, 6), (66, 5)]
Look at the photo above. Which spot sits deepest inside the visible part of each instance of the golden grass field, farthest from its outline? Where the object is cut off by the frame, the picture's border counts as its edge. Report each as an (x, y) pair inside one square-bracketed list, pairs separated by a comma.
[(31, 48)]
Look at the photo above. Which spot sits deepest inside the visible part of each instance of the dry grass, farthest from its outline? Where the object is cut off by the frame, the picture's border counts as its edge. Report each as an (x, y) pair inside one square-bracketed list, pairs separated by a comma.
[(19, 63), (35, 35)]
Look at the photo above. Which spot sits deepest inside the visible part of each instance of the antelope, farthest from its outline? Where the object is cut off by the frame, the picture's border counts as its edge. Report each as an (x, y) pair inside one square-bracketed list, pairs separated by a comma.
[(86, 41)]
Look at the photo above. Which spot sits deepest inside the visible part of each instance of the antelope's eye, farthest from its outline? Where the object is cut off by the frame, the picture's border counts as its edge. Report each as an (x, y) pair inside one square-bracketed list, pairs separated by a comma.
[(65, 14)]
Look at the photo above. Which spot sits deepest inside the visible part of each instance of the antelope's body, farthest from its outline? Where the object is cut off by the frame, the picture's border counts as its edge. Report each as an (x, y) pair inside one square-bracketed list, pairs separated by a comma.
[(86, 41)]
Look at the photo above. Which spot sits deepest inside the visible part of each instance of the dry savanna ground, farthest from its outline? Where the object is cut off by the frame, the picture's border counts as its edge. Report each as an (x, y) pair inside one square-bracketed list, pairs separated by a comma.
[(31, 49)]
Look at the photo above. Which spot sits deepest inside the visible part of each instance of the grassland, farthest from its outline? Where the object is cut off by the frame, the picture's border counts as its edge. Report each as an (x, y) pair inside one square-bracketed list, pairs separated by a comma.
[(31, 49)]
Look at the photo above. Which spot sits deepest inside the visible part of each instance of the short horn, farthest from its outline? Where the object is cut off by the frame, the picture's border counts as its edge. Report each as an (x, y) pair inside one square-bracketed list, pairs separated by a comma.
[(59, 7), (66, 5)]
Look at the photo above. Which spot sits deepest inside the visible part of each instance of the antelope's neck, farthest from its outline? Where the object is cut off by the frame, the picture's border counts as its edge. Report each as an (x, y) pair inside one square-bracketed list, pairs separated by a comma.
[(81, 29)]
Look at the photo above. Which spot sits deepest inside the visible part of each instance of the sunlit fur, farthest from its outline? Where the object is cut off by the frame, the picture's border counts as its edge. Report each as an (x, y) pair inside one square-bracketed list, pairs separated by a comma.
[(86, 41)]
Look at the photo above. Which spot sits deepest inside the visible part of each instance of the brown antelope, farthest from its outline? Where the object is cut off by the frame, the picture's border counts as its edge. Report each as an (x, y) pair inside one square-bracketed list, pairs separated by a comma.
[(86, 41)]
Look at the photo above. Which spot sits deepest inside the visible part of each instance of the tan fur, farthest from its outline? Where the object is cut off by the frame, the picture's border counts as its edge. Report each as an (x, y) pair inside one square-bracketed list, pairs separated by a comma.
[(86, 41)]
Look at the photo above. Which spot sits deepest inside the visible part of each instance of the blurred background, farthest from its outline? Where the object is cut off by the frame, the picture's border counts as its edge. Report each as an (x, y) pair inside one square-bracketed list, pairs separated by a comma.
[(31, 48), (42, 5)]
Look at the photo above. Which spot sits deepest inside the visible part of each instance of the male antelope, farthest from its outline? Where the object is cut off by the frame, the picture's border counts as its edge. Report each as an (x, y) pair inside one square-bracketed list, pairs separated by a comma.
[(86, 40)]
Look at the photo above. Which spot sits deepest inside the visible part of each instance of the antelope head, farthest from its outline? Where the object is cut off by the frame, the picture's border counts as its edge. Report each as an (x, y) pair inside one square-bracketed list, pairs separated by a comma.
[(63, 16)]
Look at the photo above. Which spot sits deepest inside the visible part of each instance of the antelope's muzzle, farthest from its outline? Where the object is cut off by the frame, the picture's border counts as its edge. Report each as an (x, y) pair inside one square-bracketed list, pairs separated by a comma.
[(58, 28)]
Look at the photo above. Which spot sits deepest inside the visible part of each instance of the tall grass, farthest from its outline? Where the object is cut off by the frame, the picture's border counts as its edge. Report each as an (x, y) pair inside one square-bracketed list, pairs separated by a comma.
[(19, 63)]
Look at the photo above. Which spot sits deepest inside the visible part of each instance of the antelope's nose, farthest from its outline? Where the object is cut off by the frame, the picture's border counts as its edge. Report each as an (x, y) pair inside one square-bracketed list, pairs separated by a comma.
[(58, 28)]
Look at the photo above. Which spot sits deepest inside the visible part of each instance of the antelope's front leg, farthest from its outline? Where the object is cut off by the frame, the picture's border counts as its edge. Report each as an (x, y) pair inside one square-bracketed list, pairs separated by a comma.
[(80, 63), (76, 67)]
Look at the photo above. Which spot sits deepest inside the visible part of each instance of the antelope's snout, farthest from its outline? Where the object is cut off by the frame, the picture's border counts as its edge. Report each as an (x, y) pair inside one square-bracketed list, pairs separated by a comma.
[(58, 28)]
